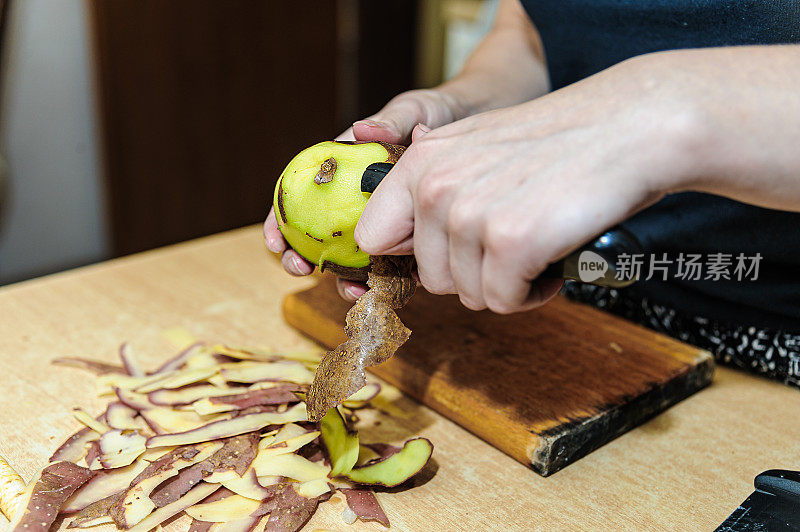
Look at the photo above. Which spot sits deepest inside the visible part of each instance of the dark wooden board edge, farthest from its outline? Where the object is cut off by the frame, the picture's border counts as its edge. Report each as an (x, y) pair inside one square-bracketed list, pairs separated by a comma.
[(570, 442)]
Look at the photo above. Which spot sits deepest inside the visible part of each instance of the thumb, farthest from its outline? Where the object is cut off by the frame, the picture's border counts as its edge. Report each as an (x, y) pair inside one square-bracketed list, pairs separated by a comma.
[(420, 130), (388, 217), (388, 127), (395, 122)]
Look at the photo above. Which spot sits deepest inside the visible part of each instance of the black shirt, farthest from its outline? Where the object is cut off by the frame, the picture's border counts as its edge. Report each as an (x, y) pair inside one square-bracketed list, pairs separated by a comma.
[(583, 37)]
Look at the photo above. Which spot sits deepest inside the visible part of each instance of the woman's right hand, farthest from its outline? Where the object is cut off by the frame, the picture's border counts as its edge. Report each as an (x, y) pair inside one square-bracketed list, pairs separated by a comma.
[(393, 124)]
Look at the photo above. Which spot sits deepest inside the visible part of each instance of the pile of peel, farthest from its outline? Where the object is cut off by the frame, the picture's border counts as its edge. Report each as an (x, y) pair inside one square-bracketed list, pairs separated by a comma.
[(220, 434)]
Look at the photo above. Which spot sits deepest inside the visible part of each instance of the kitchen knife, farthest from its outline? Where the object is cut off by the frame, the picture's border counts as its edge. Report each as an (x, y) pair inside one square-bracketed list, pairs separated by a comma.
[(599, 262), (774, 505)]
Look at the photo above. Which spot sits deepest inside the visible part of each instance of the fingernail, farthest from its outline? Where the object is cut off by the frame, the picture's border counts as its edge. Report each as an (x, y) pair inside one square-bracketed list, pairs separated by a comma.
[(422, 127), (353, 293), (298, 264), (371, 123)]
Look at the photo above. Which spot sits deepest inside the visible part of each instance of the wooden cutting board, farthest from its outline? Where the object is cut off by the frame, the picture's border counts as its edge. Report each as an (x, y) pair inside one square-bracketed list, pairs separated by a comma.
[(546, 386)]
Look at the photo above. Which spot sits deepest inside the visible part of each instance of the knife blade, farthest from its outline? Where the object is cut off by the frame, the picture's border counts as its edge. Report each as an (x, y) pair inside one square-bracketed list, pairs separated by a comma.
[(599, 262)]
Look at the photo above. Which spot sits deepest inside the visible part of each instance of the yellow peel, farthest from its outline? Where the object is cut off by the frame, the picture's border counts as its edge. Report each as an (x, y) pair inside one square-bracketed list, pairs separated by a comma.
[(12, 487), (292, 466), (223, 510), (97, 426)]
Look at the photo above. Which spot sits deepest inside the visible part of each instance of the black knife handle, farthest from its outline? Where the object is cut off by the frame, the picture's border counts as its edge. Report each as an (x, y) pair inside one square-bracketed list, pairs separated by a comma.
[(781, 483), (604, 252), (773, 506), (373, 176), (602, 255)]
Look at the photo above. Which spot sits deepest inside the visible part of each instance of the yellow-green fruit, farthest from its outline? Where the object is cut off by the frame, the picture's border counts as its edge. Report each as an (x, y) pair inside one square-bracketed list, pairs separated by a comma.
[(318, 202)]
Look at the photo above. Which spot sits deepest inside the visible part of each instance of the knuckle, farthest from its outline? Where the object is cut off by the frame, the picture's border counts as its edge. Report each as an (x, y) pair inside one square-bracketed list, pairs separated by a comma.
[(499, 306), (502, 238), (471, 303), (433, 191), (462, 217), (435, 285)]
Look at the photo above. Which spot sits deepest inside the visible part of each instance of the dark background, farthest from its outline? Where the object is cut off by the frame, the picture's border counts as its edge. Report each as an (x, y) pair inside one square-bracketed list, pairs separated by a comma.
[(203, 103)]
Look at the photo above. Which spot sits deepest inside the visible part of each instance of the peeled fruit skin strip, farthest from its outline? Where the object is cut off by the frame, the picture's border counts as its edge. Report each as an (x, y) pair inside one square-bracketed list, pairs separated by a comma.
[(136, 504), (121, 416), (375, 332), (96, 513), (228, 509), (120, 448), (177, 379), (267, 396), (362, 397), (185, 396), (229, 427), (178, 360), (247, 486), (284, 370), (314, 488), (365, 505), (287, 432), (179, 457), (110, 381), (292, 466), (165, 420), (129, 362), (160, 515), (287, 509), (236, 454), (98, 426), (341, 443), (289, 445), (102, 485), (131, 399), (247, 524), (56, 483), (200, 526), (277, 395), (12, 488), (74, 448), (397, 468)]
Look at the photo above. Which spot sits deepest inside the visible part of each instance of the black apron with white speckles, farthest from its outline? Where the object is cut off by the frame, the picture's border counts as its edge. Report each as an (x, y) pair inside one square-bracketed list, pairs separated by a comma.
[(770, 352)]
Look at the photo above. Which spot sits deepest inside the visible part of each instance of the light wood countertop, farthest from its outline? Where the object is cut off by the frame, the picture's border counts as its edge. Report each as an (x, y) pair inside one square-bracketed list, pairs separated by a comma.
[(687, 469)]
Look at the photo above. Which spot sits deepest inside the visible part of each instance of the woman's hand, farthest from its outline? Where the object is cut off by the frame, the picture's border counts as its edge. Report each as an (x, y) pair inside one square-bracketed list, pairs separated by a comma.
[(486, 203), (394, 124), (505, 69)]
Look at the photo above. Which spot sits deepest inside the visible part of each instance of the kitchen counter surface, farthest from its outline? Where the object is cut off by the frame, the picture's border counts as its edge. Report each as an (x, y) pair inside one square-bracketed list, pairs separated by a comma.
[(687, 469)]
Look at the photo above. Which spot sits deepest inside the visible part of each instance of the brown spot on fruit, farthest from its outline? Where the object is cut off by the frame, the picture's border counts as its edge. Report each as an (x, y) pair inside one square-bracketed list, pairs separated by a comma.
[(326, 171), (336, 233), (394, 151), (281, 210), (315, 238)]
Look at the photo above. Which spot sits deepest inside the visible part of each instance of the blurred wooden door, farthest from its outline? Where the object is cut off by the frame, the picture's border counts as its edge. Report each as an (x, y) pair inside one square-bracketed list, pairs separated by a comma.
[(203, 103)]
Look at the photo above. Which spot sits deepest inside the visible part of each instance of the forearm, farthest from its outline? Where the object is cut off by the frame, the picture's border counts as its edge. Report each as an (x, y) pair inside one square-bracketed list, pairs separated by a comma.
[(507, 67), (743, 121)]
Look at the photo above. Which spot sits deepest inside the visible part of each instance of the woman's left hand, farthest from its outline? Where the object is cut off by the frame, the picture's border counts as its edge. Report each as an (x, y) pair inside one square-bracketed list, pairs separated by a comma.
[(486, 203)]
